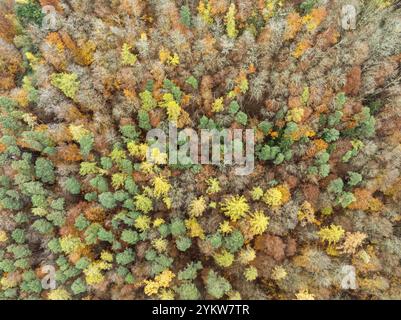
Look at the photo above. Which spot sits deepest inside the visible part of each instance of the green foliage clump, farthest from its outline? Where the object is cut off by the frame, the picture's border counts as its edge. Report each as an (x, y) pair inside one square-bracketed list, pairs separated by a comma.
[(330, 135), (72, 185), (177, 227), (188, 291), (54, 245), (19, 251), (307, 6), (31, 284), (354, 178), (185, 16), (44, 170), (273, 153), (183, 243), (215, 240), (78, 286), (336, 186), (106, 163), (7, 265), (322, 167), (81, 222), (125, 257), (340, 100), (11, 200), (335, 118), (192, 82), (160, 263), (233, 107), (29, 12), (129, 236), (234, 241), (42, 226), (164, 230), (100, 183), (367, 123), (86, 144), (105, 235), (57, 218), (91, 233), (18, 235), (129, 131), (21, 218), (324, 170), (216, 285), (107, 200), (143, 119), (241, 118), (265, 126), (345, 199), (58, 204), (191, 271), (90, 196), (82, 263), (206, 123)]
